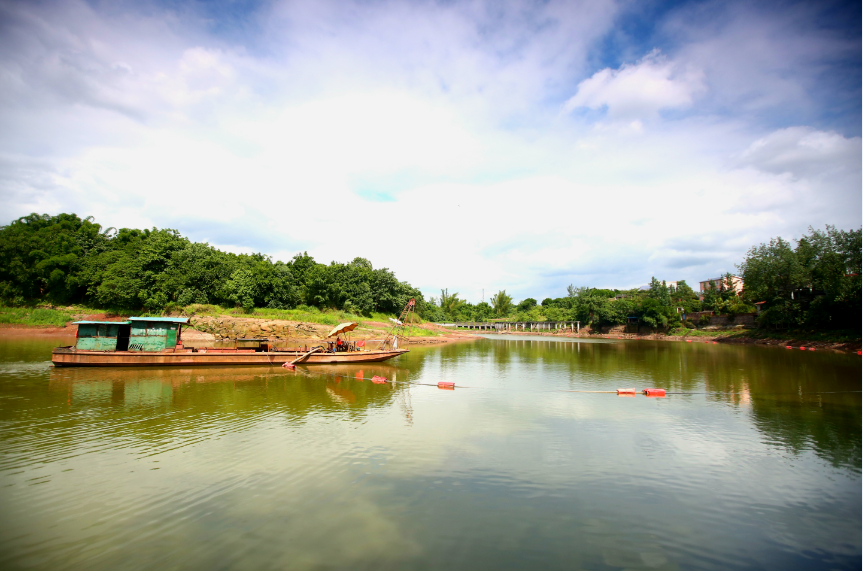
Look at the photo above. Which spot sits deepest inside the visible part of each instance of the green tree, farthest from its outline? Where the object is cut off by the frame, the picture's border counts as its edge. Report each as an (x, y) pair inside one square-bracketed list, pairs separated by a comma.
[(502, 303), (816, 283), (450, 303)]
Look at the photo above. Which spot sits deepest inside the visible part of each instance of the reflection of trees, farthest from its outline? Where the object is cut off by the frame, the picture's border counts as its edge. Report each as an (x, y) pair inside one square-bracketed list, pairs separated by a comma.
[(796, 399), (778, 384), (831, 429)]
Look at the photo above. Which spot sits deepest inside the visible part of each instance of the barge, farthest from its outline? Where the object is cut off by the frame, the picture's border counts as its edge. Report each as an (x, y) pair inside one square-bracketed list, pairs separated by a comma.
[(157, 341)]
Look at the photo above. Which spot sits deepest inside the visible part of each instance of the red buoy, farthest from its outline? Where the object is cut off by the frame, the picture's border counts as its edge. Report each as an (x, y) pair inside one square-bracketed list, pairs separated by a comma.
[(379, 380), (803, 348), (626, 391), (446, 386), (289, 366), (689, 340), (789, 347), (654, 392)]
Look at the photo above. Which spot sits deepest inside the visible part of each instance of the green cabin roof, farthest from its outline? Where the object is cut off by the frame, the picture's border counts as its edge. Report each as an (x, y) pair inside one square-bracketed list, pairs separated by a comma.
[(101, 322)]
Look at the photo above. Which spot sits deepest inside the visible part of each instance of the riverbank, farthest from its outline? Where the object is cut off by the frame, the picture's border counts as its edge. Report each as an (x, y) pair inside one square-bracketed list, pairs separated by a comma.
[(209, 329)]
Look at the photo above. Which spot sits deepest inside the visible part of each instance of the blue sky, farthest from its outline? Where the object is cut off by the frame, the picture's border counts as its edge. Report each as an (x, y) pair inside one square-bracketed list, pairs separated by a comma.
[(473, 146)]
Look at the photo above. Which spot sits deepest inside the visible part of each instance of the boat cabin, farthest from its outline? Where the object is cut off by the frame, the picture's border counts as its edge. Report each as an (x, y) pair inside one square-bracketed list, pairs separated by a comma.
[(155, 333), (149, 334), (103, 335)]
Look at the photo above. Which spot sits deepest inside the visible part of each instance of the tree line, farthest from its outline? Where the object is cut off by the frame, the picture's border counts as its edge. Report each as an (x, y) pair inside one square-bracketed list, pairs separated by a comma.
[(813, 283), (65, 259)]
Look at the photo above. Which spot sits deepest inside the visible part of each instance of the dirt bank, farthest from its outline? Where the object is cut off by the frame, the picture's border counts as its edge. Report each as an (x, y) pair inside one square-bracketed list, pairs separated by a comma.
[(224, 328)]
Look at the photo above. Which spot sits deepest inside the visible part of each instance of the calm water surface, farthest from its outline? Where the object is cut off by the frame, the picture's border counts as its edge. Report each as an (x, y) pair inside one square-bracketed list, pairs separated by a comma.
[(759, 467)]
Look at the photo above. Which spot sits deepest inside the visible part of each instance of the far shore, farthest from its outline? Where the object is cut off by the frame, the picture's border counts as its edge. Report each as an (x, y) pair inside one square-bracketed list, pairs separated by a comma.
[(314, 332)]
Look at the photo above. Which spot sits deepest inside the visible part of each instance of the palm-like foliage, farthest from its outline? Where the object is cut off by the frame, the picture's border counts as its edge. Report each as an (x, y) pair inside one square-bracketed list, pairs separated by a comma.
[(501, 303), (450, 303)]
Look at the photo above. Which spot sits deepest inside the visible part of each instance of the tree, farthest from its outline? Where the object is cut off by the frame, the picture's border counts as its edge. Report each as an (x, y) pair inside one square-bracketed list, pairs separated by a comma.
[(482, 311), (450, 303), (816, 283), (684, 296), (502, 303), (660, 292), (526, 304)]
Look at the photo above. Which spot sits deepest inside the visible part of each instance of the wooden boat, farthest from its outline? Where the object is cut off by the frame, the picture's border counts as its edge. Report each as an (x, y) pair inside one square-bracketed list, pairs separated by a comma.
[(157, 341)]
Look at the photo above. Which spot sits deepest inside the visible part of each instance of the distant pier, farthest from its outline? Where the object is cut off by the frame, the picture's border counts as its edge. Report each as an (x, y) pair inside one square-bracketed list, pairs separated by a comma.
[(499, 326)]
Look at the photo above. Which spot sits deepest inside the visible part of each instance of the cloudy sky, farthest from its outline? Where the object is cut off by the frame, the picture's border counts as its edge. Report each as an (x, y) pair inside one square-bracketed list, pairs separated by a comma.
[(474, 145)]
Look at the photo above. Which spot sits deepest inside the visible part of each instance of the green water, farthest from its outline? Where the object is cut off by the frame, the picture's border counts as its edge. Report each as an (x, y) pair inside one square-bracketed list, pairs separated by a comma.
[(758, 467)]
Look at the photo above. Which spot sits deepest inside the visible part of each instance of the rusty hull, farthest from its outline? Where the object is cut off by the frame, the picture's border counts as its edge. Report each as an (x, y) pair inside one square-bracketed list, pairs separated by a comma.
[(71, 357)]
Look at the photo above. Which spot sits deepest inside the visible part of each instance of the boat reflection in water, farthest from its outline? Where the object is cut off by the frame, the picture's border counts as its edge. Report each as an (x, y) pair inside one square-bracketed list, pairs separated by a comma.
[(246, 392)]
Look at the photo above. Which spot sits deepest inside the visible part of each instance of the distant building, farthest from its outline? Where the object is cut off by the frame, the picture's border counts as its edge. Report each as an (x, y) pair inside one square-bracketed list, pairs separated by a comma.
[(736, 284)]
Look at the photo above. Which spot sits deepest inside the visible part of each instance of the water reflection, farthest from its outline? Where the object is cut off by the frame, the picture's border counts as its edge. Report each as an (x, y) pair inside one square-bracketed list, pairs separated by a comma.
[(757, 465)]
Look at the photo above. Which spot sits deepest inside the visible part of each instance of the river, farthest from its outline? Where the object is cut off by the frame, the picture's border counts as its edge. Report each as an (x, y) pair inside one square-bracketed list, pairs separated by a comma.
[(752, 461)]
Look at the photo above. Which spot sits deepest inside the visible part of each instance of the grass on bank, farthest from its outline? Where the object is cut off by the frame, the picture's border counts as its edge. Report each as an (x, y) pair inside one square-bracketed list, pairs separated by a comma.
[(35, 316), (838, 336), (684, 332)]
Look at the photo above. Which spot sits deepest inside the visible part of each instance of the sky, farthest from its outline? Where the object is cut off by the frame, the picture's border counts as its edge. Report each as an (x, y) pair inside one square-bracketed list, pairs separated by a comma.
[(474, 146)]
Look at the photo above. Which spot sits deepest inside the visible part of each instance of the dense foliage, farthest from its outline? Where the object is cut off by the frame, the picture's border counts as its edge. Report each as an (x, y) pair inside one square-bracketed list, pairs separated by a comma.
[(815, 283), (64, 259)]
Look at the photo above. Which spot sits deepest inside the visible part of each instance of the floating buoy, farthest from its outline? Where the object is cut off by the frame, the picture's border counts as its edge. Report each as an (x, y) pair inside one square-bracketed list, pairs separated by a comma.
[(812, 348), (860, 352), (626, 391), (689, 340), (714, 342), (654, 392), (289, 366), (446, 386), (789, 347), (379, 380), (803, 348)]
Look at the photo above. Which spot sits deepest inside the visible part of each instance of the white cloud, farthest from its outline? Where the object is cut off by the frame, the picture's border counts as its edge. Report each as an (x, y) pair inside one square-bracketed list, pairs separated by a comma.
[(640, 90), (803, 151), (267, 143)]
